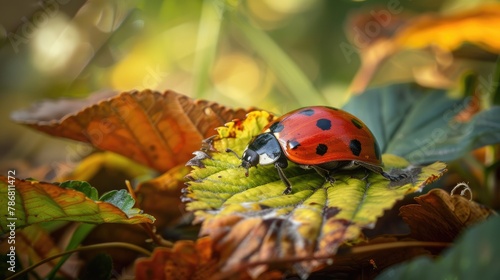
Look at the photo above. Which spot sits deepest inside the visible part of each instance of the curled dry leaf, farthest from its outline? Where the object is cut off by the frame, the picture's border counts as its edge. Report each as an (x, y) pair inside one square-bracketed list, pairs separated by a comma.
[(252, 222), (474, 255), (157, 129), (441, 217)]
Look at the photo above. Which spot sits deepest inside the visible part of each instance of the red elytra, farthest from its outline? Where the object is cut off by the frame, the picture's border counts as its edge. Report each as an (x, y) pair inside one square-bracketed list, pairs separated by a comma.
[(317, 135), (322, 138)]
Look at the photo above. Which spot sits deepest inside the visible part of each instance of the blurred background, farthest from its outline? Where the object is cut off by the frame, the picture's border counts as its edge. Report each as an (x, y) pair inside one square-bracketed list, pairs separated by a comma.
[(275, 55), (271, 54)]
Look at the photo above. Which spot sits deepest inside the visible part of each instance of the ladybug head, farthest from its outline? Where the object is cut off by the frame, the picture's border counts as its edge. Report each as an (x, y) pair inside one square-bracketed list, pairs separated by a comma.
[(250, 158)]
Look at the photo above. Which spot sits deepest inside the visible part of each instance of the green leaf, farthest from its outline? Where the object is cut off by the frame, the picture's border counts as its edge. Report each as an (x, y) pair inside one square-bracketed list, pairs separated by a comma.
[(314, 219), (419, 123), (476, 255), (120, 199), (81, 186), (32, 202)]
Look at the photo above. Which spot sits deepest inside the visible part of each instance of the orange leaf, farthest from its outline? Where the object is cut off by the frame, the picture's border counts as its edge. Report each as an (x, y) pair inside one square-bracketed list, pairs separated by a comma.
[(156, 129)]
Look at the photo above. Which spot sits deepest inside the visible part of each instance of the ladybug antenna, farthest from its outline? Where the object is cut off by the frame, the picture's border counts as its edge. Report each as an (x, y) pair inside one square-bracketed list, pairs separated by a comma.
[(234, 153), (246, 166)]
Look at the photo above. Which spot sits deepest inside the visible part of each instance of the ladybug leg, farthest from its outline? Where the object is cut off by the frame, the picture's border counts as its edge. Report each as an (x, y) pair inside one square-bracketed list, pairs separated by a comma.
[(284, 179), (378, 169), (280, 164), (325, 173), (394, 178)]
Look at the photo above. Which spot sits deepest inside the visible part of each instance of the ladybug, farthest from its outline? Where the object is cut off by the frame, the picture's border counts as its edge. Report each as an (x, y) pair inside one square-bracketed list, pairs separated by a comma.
[(322, 138)]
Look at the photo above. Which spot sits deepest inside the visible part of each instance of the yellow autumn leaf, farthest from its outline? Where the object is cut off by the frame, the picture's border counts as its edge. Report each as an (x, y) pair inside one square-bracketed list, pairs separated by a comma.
[(480, 26)]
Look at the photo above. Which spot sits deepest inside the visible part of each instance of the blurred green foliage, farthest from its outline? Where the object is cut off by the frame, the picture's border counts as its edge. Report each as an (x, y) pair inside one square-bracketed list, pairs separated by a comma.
[(55, 51)]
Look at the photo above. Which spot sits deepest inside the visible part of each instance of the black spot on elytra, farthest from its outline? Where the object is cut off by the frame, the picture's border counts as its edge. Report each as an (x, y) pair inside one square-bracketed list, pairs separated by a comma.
[(293, 144), (357, 123), (355, 147), (276, 127), (307, 112), (321, 149), (324, 124)]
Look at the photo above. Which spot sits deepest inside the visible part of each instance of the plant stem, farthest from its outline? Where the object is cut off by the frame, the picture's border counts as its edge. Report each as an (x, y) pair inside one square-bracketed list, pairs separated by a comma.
[(287, 71), (206, 46)]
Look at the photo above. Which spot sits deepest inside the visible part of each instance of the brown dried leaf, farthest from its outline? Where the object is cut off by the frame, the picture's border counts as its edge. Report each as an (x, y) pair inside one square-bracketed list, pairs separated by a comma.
[(186, 260), (156, 129), (441, 217), (189, 260)]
